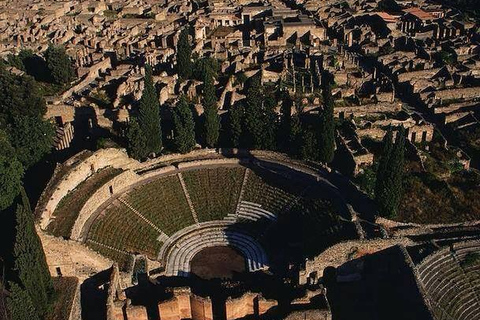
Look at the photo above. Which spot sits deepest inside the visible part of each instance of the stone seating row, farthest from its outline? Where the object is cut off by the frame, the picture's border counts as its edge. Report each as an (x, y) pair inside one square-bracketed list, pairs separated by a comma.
[(448, 285), (253, 211), (183, 251)]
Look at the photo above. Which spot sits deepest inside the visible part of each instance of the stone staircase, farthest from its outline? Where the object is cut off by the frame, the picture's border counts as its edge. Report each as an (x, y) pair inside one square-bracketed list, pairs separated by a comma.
[(187, 195)]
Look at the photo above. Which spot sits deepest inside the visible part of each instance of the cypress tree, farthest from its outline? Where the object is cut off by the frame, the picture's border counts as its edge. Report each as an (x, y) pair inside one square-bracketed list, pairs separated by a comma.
[(149, 118), (253, 113), (384, 163), (211, 124), (30, 262), (184, 127), (11, 173), (184, 56), (234, 127), (295, 138), (388, 188), (20, 305), (326, 138), (284, 129), (269, 123), (137, 142), (308, 148)]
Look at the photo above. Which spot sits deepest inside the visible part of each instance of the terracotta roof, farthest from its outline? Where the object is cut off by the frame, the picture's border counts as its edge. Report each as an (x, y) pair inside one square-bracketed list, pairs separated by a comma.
[(419, 13), (388, 18)]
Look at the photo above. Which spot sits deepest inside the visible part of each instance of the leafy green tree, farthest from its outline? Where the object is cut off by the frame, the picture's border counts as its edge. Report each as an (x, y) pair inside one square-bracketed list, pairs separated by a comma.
[(59, 64), (11, 173), (21, 116), (30, 262), (389, 181), (149, 118), (211, 123), (136, 140), (20, 305), (234, 125), (184, 56), (184, 126), (32, 138), (326, 137)]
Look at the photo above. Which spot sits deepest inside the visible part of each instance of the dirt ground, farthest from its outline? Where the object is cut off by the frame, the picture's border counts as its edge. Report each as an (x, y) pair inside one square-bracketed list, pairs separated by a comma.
[(217, 262), (71, 257)]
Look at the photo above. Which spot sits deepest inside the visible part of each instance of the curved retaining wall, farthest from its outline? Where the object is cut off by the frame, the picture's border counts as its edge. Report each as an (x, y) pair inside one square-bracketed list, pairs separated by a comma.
[(101, 159), (138, 173)]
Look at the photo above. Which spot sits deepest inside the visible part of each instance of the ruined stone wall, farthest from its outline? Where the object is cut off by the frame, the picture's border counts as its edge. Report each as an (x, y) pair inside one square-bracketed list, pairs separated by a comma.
[(265, 305), (240, 307), (368, 109), (169, 309), (93, 73), (338, 254), (201, 308)]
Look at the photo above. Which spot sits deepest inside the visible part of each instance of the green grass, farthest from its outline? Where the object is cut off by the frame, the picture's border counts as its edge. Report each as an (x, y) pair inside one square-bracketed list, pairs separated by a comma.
[(163, 202), (66, 213), (214, 192), (274, 193), (120, 228)]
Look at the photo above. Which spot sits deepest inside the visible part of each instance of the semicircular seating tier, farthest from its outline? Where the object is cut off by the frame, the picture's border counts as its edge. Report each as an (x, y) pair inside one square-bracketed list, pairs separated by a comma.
[(146, 218), (450, 278)]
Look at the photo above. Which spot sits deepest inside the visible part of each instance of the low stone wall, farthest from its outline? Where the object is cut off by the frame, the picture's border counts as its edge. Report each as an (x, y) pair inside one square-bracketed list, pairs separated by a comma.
[(338, 254)]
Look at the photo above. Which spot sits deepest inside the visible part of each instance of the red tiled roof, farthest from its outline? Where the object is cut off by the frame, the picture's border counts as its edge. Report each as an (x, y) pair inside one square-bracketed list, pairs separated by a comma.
[(419, 13)]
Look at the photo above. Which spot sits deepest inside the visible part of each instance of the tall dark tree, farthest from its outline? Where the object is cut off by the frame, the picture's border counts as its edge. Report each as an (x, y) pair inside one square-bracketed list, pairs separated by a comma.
[(326, 137), (11, 173), (388, 188), (184, 127), (295, 138), (204, 65), (21, 116), (149, 118), (30, 262), (211, 121), (253, 113), (308, 147), (59, 64), (184, 56), (234, 125), (136, 140), (20, 305), (284, 128)]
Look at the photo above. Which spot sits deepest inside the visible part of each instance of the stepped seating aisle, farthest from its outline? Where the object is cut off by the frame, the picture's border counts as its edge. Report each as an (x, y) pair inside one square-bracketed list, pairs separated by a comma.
[(163, 203), (273, 193), (214, 191), (451, 283), (118, 228)]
